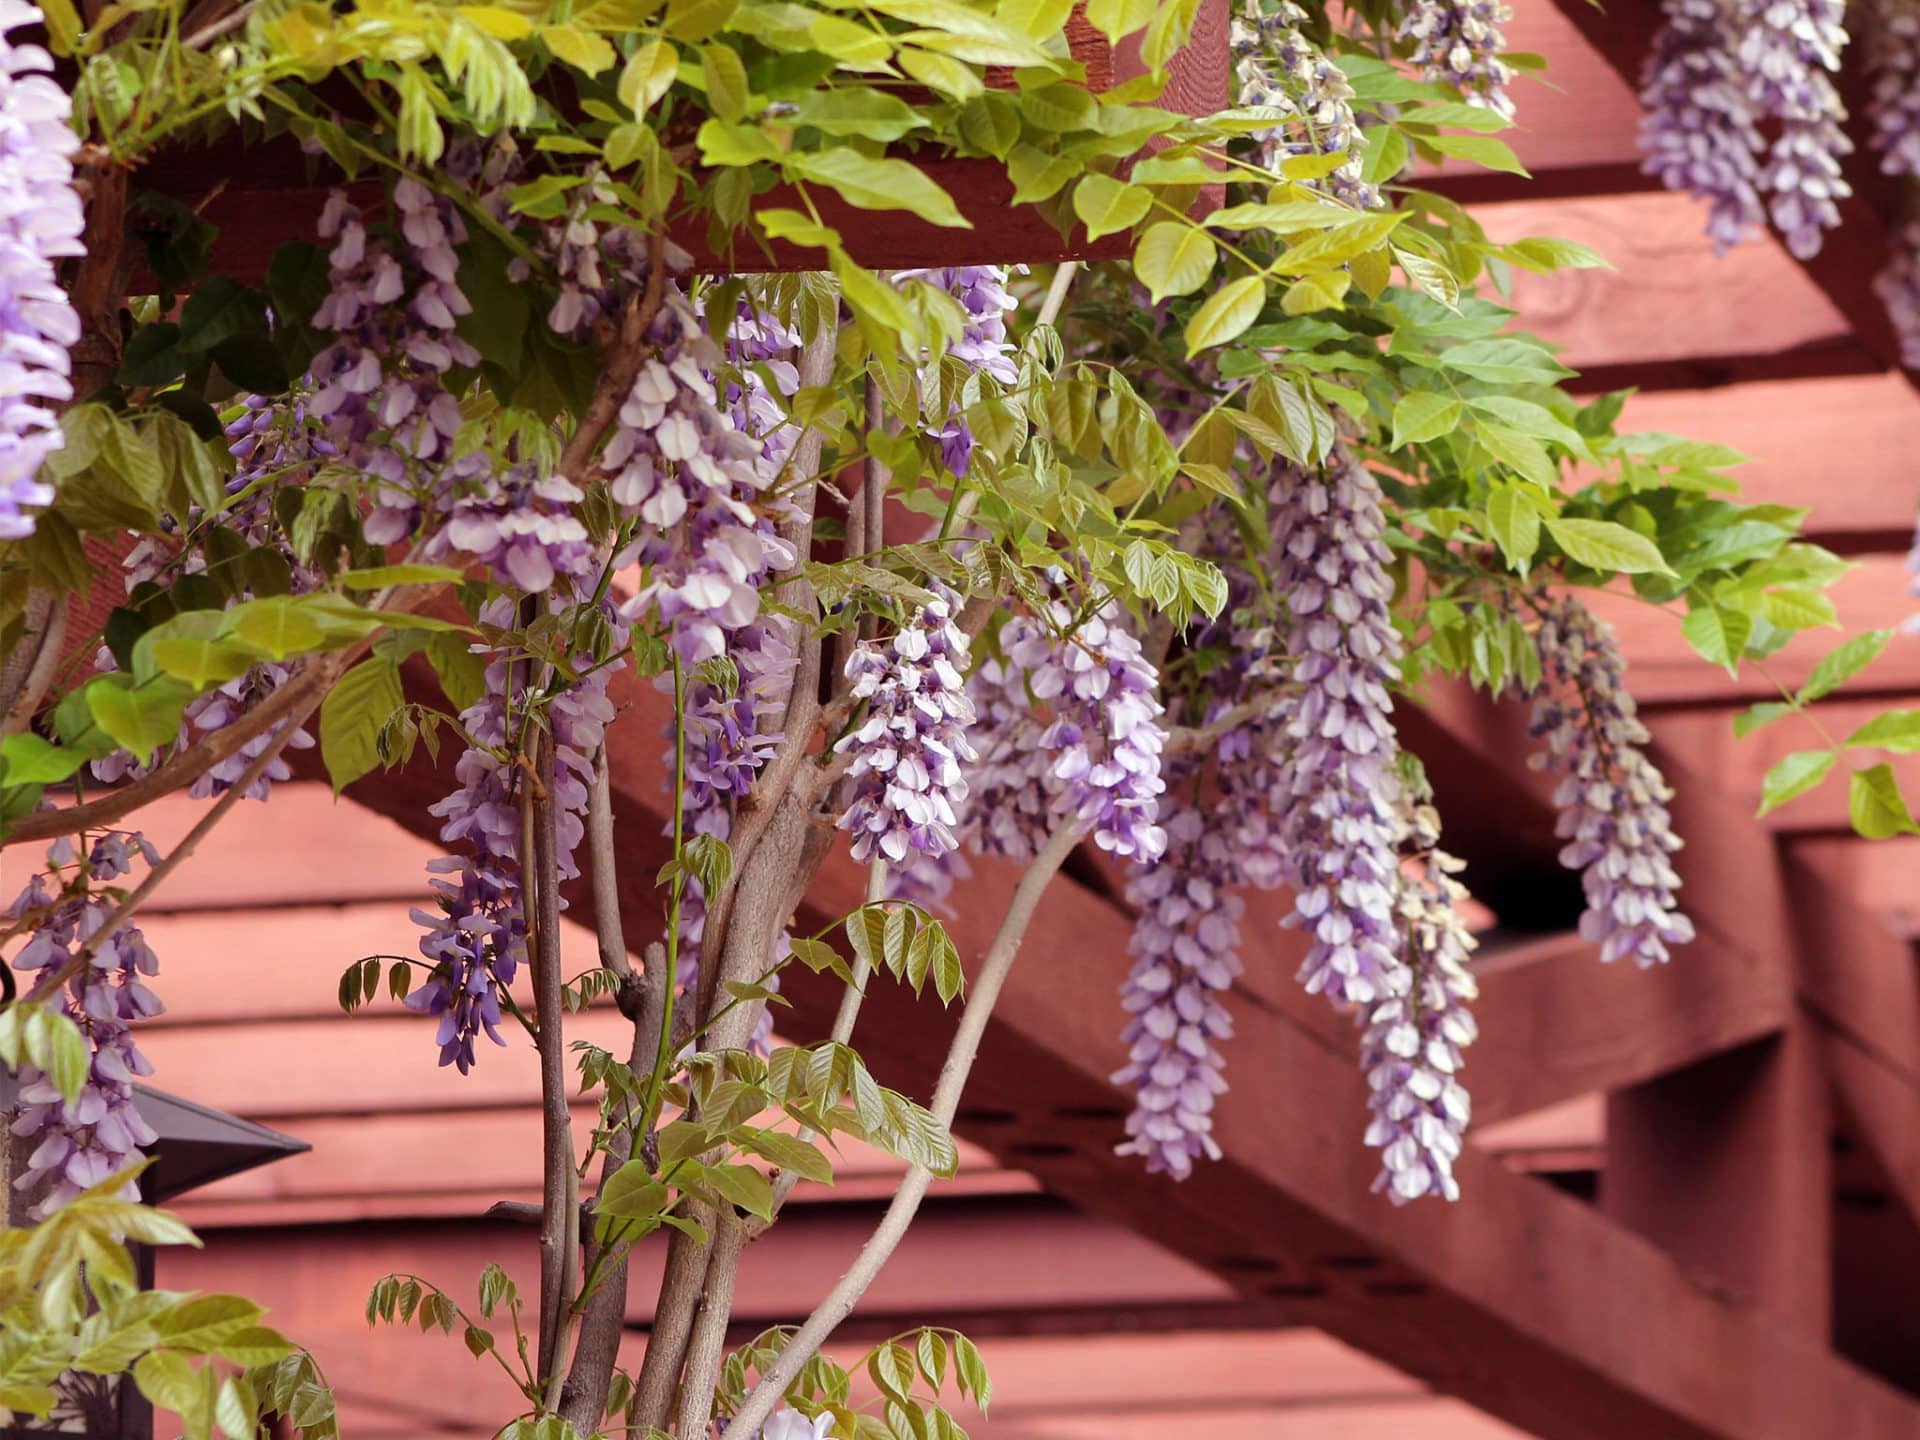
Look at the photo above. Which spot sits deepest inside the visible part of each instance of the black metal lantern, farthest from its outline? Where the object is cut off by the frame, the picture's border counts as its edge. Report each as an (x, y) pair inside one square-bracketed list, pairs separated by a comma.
[(193, 1146)]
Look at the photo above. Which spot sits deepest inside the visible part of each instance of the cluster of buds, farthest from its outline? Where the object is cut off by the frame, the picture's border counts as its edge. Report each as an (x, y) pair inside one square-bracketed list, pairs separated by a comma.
[(1458, 43), (1276, 67)]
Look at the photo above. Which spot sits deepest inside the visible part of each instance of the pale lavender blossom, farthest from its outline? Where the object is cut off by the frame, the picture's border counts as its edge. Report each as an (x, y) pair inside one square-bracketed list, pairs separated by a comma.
[(1789, 51), (522, 526), (78, 1143), (1184, 959), (477, 936), (1898, 286), (379, 388), (1458, 43), (40, 223), (1098, 760), (701, 486), (1701, 130), (1612, 799), (1410, 1051), (1337, 824), (982, 349), (1892, 43), (908, 749), (1277, 67)]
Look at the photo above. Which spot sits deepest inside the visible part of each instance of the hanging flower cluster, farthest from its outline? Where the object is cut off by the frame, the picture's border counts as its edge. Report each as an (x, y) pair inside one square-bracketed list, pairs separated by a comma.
[(1892, 43), (907, 752), (40, 222), (1613, 801), (380, 386), (1893, 108), (1700, 132), (1099, 757), (1184, 957), (1790, 53), (1719, 68), (678, 463), (983, 347), (1275, 65), (1410, 1051), (476, 938), (273, 446), (1458, 43), (80, 1142), (1336, 822)]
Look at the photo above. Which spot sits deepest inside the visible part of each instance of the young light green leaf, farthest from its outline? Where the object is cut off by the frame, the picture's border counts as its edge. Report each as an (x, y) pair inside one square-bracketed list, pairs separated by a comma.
[(1794, 775), (1172, 258), (352, 716), (1226, 313), (1106, 205), (1719, 634), (1604, 545), (1875, 805), (1896, 730), (1842, 663), (1423, 415)]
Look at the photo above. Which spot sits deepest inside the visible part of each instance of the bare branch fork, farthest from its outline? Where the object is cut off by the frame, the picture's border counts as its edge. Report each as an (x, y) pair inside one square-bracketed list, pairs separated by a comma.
[(981, 997)]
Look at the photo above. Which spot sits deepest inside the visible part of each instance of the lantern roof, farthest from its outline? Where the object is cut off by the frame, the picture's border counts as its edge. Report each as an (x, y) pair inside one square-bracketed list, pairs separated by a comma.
[(196, 1144)]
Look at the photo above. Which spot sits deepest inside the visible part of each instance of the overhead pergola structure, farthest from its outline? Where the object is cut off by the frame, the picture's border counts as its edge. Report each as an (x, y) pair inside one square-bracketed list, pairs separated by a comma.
[(1747, 1264)]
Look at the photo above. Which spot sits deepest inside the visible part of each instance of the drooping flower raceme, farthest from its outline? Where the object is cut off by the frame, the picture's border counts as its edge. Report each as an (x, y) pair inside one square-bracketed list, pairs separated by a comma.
[(1789, 51), (1410, 1051), (1097, 759), (1458, 43), (983, 347), (1184, 957), (1277, 66), (1892, 43), (380, 385), (907, 752), (40, 222), (1337, 822), (1613, 801), (1700, 132), (1893, 59), (78, 1143), (476, 938)]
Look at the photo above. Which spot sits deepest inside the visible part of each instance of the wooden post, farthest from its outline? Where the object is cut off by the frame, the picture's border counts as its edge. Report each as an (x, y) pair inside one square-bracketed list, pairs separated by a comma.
[(1727, 1165)]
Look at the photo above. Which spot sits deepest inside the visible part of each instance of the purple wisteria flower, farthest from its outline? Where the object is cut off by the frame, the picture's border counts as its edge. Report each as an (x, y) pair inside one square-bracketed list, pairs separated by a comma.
[(1701, 130), (1098, 758), (1613, 801), (521, 524), (1458, 43), (792, 1425), (380, 386), (1337, 824), (273, 447), (40, 222), (477, 937), (78, 1143), (1276, 66), (1410, 1051), (1892, 44), (1789, 51), (1898, 286), (679, 463), (1893, 108), (1184, 958), (907, 752), (982, 349)]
